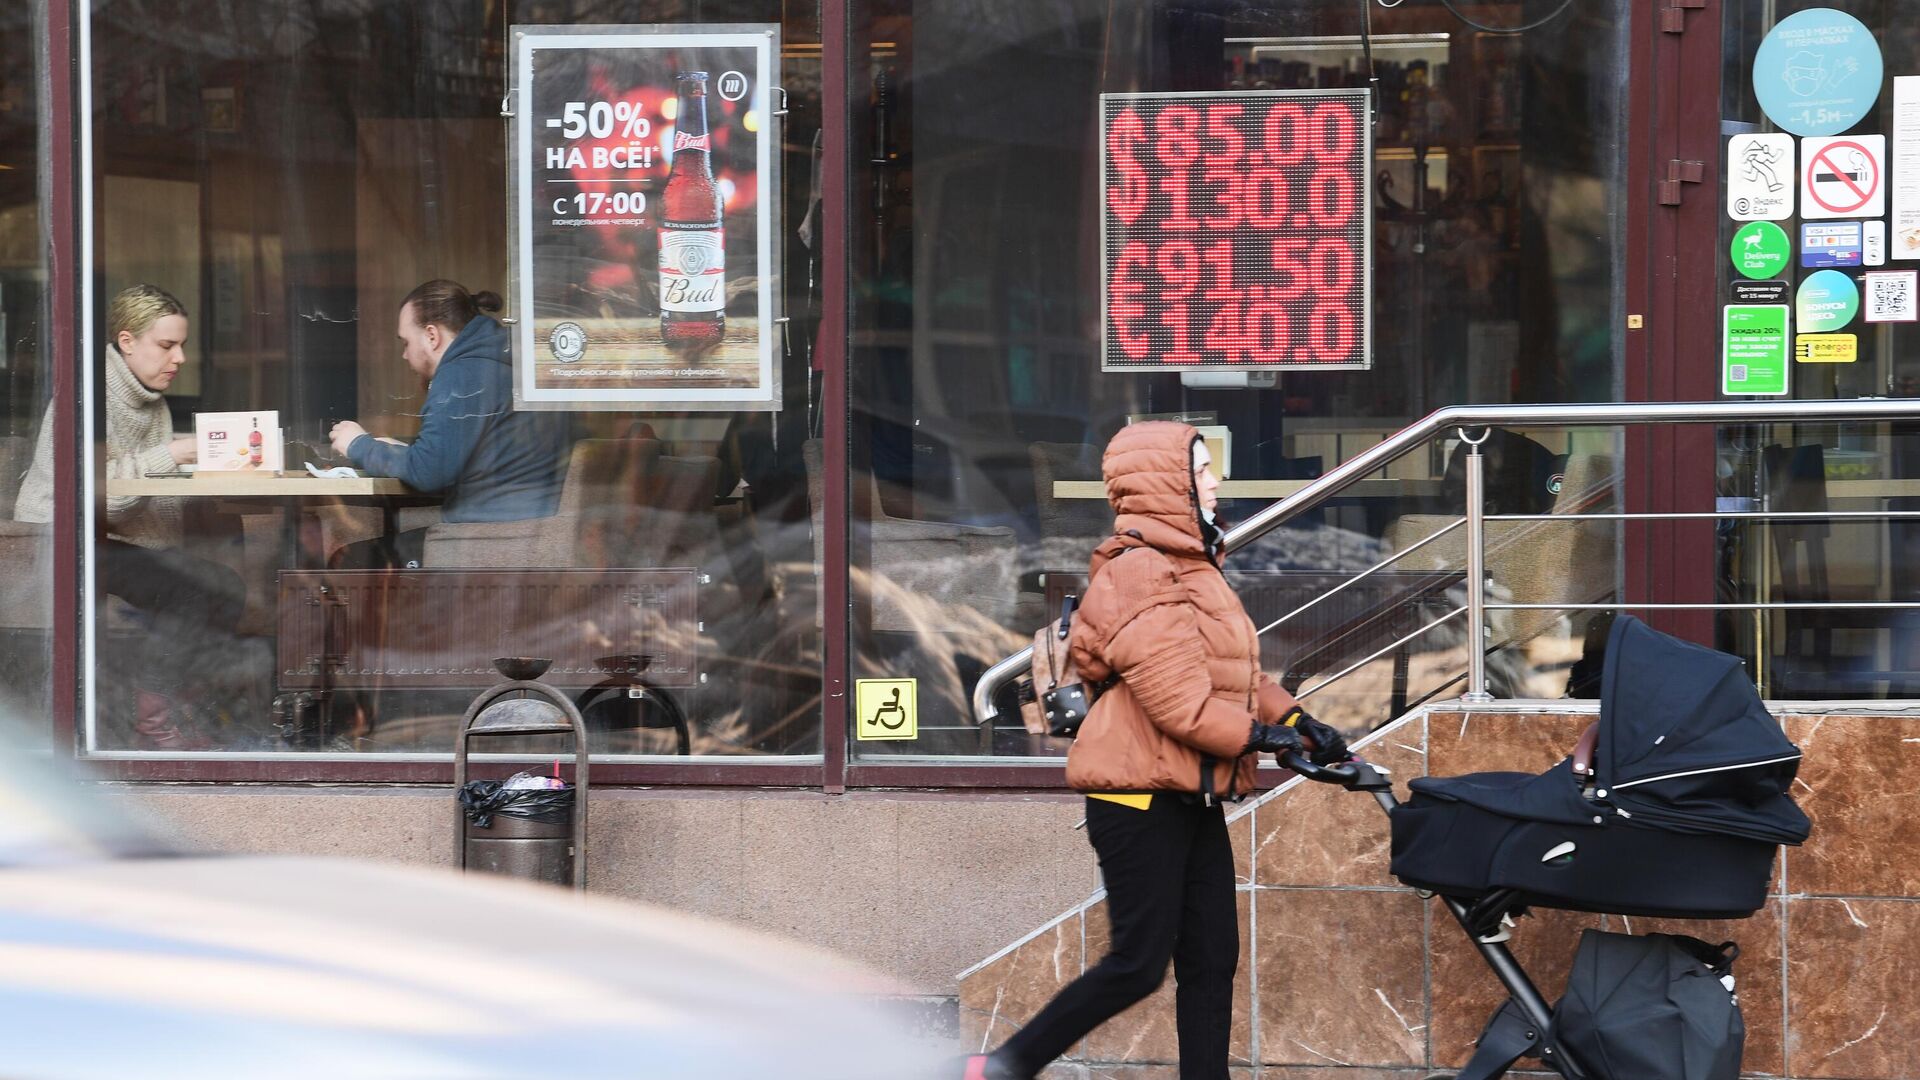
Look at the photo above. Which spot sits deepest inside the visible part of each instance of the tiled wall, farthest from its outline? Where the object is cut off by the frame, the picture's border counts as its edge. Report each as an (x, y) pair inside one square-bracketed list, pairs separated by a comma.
[(1827, 969)]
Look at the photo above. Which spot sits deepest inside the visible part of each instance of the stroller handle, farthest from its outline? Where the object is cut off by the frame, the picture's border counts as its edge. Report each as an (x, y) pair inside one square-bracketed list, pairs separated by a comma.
[(1345, 773), (1353, 774)]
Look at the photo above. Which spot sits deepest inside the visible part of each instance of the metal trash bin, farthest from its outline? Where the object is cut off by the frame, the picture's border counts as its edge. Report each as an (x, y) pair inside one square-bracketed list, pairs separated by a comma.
[(516, 846)]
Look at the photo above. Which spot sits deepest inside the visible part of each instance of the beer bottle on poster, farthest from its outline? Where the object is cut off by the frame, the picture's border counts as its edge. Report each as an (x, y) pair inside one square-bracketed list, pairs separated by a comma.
[(693, 260)]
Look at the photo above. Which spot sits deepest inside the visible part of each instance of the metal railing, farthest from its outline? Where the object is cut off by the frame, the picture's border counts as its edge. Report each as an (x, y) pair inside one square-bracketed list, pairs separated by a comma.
[(1471, 418)]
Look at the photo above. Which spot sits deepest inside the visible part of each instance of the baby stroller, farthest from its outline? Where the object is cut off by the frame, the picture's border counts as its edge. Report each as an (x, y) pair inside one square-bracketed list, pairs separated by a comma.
[(1672, 805)]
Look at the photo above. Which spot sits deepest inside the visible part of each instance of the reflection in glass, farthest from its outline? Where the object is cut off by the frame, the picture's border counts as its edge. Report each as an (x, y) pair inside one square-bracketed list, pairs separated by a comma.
[(980, 407)]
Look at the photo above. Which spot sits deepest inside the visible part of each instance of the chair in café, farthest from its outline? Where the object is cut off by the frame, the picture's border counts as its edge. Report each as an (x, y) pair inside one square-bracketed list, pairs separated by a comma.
[(1804, 664), (605, 477), (949, 563), (16, 454), (26, 588)]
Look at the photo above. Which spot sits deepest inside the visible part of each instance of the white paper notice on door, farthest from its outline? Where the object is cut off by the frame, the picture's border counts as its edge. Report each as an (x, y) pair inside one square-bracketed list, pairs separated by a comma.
[(1904, 157)]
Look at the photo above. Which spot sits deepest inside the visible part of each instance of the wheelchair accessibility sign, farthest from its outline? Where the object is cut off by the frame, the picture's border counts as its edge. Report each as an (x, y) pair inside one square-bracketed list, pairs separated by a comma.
[(886, 709)]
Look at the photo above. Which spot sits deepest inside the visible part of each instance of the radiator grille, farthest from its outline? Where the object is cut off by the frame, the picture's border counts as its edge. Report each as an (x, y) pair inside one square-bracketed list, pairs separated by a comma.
[(354, 629)]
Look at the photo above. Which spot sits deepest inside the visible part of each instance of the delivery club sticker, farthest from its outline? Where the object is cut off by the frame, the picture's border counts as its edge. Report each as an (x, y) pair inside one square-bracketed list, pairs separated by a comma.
[(1760, 250), (1828, 300)]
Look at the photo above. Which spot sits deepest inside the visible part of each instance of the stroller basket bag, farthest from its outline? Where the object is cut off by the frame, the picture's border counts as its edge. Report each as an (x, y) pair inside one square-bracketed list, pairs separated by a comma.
[(1686, 803)]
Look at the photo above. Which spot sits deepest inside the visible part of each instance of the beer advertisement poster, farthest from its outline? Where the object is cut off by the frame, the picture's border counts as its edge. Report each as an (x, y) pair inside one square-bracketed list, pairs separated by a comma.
[(644, 180), (1236, 230)]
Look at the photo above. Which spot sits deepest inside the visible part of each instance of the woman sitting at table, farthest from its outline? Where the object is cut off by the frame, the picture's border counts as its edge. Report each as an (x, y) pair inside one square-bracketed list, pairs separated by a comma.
[(191, 604), (492, 462)]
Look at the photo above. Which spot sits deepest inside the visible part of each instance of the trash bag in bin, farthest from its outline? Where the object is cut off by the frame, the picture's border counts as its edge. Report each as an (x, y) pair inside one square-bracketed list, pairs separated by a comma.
[(482, 799)]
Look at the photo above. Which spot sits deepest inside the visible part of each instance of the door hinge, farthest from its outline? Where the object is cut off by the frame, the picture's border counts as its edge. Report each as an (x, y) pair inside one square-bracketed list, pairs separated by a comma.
[(1679, 173), (1673, 17)]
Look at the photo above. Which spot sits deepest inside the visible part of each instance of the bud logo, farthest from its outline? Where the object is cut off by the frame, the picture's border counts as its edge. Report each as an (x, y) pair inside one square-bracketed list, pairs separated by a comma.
[(684, 141)]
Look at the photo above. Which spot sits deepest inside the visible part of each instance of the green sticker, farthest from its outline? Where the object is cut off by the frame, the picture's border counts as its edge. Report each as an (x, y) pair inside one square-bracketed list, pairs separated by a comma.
[(1754, 358), (1760, 249), (1827, 300)]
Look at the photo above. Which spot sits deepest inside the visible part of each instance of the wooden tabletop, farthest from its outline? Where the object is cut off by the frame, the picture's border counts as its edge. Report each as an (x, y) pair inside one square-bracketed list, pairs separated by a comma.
[(1263, 489), (239, 484)]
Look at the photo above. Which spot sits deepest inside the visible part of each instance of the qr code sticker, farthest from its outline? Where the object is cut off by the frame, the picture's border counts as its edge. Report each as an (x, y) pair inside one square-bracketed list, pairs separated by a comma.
[(1737, 373), (1890, 297)]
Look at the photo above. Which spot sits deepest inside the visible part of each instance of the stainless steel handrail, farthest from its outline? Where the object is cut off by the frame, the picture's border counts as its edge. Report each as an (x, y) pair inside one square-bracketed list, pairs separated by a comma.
[(1418, 433), (1362, 576)]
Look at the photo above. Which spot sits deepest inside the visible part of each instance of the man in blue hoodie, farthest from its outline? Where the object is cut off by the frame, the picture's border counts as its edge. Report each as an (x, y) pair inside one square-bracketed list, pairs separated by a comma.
[(491, 461)]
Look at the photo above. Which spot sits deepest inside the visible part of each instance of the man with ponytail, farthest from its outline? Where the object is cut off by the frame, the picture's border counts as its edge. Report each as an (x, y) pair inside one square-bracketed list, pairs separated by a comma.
[(493, 463)]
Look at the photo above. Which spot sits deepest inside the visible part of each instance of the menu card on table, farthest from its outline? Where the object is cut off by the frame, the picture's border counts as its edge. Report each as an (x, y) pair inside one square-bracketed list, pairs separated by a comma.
[(238, 441)]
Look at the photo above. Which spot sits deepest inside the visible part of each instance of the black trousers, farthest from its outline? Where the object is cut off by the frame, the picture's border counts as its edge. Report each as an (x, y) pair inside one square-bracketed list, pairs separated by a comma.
[(1169, 876)]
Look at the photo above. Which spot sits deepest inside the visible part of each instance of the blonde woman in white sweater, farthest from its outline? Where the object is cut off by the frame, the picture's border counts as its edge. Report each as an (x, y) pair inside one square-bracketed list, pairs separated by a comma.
[(147, 333), (190, 605)]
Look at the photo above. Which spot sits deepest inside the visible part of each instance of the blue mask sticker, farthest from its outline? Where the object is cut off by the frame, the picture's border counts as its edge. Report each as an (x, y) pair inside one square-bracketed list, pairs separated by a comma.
[(1818, 72)]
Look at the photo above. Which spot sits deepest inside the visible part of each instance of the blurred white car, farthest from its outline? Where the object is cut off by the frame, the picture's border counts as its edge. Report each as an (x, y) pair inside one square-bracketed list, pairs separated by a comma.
[(121, 959)]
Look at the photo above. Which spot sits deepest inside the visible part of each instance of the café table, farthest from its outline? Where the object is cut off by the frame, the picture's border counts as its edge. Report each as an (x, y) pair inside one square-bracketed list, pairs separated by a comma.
[(288, 489), (255, 484)]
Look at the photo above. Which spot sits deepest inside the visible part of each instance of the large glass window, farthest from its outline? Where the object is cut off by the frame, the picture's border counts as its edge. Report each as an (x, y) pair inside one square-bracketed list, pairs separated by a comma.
[(980, 406), (26, 606), (1863, 257), (271, 181)]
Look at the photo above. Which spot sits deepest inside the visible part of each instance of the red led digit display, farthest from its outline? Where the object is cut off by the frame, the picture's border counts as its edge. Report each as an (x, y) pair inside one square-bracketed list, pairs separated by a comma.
[(1236, 230)]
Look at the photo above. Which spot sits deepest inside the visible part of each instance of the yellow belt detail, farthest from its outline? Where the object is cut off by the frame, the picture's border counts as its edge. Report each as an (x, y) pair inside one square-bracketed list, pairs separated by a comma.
[(1138, 802)]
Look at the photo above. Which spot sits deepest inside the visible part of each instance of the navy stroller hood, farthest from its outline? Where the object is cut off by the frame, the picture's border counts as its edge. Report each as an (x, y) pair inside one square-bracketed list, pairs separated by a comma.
[(1684, 745)]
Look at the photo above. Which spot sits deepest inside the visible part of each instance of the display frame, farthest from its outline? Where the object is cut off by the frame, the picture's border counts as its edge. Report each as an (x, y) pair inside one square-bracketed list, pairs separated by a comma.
[(763, 393)]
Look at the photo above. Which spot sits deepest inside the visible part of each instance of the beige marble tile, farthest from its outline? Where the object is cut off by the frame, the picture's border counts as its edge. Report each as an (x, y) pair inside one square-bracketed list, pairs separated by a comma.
[(1005, 994), (1368, 1008), (1860, 783), (1853, 1004)]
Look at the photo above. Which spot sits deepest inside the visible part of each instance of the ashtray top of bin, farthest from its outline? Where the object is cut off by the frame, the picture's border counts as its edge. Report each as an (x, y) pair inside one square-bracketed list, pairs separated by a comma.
[(522, 668), (522, 716)]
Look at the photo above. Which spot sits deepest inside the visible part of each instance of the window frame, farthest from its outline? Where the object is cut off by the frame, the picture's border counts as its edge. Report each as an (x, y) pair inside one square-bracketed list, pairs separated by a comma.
[(1659, 124)]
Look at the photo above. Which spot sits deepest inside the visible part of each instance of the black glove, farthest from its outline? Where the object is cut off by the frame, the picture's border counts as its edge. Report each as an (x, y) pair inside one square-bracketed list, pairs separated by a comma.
[(1274, 739), (1328, 747)]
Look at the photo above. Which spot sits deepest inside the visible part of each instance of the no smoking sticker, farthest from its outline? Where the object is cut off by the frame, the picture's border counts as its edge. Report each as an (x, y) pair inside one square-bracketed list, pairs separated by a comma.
[(1843, 177)]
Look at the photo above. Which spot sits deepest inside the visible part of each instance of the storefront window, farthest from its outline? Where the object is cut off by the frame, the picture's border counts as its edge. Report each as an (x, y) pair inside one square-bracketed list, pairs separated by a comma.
[(1832, 259), (26, 547), (980, 405), (272, 183)]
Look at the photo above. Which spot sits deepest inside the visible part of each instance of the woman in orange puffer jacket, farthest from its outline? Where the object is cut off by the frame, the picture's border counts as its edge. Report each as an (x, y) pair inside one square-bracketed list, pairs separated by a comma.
[(1185, 711)]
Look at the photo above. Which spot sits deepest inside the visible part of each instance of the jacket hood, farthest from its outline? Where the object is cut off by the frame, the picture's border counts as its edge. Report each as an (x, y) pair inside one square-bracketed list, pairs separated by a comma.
[(483, 338), (1149, 473)]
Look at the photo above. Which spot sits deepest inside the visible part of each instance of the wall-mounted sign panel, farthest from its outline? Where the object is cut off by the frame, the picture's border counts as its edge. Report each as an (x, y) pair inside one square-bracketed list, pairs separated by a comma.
[(644, 185), (1236, 230)]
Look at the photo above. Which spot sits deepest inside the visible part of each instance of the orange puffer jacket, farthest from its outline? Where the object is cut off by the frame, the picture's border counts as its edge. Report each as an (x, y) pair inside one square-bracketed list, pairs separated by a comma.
[(1158, 615)]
